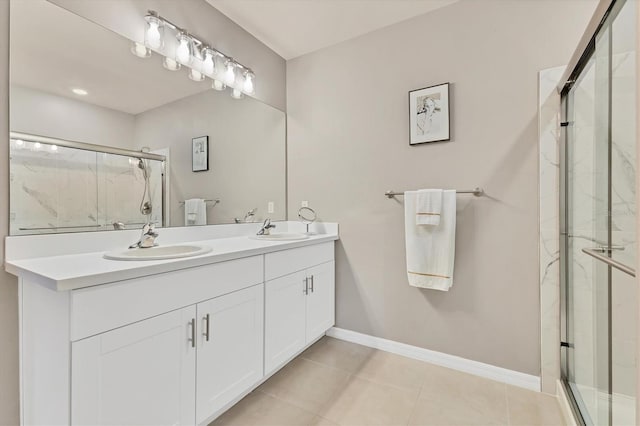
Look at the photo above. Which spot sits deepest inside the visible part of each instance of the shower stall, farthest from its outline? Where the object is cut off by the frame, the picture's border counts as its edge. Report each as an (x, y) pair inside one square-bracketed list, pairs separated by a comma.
[(598, 223)]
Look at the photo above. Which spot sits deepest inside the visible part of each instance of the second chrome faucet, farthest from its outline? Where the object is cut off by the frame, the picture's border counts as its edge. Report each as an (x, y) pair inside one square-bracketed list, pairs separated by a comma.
[(148, 237)]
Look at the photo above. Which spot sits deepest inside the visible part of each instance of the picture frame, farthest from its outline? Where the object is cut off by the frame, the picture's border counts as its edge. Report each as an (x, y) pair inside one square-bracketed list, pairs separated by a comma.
[(200, 154), (429, 114)]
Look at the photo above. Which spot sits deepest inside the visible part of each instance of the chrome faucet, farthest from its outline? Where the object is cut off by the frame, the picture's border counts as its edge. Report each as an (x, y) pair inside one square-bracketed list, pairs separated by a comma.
[(248, 217), (148, 237), (266, 227), (118, 226)]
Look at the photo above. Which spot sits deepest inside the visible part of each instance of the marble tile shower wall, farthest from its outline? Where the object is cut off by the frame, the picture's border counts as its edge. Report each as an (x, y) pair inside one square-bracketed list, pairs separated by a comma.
[(67, 190), (623, 217), (549, 131)]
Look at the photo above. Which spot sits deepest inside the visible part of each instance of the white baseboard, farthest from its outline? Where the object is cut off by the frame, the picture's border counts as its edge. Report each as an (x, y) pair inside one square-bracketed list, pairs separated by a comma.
[(488, 371)]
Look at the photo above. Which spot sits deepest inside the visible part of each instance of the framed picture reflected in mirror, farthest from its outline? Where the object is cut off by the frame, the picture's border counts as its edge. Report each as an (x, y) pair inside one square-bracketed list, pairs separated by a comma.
[(200, 154)]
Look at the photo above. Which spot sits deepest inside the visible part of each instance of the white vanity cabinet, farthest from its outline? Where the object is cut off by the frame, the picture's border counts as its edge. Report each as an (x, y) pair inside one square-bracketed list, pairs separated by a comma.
[(155, 371), (299, 306), (230, 348), (173, 348), (142, 374)]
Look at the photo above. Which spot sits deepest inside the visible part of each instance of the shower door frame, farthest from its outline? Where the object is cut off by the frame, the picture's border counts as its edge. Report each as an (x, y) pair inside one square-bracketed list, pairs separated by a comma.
[(605, 15)]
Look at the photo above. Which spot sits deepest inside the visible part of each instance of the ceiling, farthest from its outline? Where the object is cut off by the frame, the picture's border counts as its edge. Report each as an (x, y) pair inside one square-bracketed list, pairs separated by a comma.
[(65, 51), (295, 27)]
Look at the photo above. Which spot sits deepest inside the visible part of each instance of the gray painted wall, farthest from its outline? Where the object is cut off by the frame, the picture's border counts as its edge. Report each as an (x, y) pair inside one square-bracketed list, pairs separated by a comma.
[(41, 113), (348, 144), (9, 397)]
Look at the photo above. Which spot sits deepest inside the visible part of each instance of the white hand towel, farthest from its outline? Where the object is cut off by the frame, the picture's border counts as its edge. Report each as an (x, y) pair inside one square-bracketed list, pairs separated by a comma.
[(195, 212), (431, 249), (428, 206)]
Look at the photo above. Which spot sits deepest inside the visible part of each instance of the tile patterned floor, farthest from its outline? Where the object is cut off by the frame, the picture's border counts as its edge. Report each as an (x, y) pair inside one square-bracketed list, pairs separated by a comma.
[(340, 383)]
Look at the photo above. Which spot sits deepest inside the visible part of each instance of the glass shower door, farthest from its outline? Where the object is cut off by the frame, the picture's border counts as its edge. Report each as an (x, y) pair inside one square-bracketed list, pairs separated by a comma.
[(598, 226), (587, 228)]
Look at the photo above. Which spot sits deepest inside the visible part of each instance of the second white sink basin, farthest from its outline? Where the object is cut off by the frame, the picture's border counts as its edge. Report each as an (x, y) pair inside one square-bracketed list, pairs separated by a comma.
[(280, 236), (158, 253)]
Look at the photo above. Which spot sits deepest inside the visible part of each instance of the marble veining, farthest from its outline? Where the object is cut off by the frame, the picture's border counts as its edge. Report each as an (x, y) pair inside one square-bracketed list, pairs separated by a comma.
[(549, 257), (69, 187)]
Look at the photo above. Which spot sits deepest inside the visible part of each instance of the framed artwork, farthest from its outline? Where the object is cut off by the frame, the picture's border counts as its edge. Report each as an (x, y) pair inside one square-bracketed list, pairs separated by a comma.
[(200, 154), (429, 114)]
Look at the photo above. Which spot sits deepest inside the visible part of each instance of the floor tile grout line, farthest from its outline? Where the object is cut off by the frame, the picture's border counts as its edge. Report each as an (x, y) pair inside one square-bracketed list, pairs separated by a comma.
[(415, 404), (379, 382), (291, 404)]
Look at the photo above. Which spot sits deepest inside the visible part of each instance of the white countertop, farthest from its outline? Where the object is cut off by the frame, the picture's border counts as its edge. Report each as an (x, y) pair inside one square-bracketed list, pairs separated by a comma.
[(74, 271)]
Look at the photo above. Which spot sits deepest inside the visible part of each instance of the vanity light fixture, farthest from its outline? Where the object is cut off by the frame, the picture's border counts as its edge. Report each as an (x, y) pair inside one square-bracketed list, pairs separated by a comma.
[(80, 92), (208, 61), (195, 75), (230, 73), (180, 47), (140, 50), (236, 94), (170, 64), (218, 85), (154, 31), (184, 54), (248, 87)]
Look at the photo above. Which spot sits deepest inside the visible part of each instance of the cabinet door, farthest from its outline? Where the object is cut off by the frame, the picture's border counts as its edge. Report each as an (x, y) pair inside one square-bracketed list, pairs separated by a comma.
[(284, 319), (321, 300), (142, 374), (230, 348)]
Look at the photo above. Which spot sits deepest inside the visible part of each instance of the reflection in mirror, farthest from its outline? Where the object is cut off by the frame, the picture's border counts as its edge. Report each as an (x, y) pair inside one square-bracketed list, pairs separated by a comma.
[(61, 186), (93, 90)]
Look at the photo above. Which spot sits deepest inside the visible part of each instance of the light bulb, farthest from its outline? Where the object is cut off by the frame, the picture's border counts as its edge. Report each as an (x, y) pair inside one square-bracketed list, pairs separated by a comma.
[(236, 94), (183, 51), (196, 75), (208, 64), (140, 50), (248, 83), (230, 74), (170, 64), (218, 85), (19, 142), (37, 145), (154, 38), (54, 147)]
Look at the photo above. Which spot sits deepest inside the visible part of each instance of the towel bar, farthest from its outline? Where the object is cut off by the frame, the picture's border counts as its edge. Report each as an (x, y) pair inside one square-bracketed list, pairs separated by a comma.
[(477, 192), (216, 201)]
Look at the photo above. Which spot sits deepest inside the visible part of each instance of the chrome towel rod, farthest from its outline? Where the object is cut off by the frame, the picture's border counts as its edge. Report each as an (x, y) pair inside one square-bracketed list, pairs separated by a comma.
[(477, 192), (216, 201)]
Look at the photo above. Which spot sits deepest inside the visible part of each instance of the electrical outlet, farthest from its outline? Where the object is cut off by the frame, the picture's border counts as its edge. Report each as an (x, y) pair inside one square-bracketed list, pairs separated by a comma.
[(304, 204), (270, 208)]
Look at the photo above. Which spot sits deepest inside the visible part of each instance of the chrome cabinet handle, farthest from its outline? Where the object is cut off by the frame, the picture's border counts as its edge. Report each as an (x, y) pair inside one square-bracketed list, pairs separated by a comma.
[(311, 283), (306, 286), (192, 323), (207, 319)]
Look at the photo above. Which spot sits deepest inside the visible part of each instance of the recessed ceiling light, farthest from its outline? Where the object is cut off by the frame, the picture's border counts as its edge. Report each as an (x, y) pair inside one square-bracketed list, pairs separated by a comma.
[(80, 92)]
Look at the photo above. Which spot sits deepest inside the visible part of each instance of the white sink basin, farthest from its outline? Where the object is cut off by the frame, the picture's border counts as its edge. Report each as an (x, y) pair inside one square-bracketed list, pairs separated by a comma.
[(158, 253), (280, 236)]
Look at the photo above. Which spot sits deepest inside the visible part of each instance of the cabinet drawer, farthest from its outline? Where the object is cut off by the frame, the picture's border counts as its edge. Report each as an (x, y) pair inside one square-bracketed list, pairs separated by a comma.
[(101, 308), (284, 262)]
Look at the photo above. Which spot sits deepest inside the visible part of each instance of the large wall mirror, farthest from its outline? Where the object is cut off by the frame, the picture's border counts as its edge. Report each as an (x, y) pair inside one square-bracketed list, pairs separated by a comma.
[(91, 125)]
